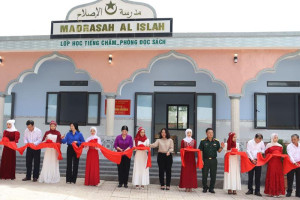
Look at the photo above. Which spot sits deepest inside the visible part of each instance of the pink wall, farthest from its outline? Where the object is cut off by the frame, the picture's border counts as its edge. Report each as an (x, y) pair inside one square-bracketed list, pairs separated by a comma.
[(235, 75), (125, 63), (16, 63)]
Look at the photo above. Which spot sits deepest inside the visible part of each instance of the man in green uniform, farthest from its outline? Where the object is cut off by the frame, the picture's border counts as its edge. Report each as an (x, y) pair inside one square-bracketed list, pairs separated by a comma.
[(209, 147)]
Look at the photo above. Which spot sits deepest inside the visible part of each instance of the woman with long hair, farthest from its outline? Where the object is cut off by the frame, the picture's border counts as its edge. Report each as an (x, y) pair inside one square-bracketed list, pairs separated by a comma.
[(165, 147), (73, 135)]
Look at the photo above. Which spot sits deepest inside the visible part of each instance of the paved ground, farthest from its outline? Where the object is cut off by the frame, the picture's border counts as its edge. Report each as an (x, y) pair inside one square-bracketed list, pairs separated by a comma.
[(19, 190)]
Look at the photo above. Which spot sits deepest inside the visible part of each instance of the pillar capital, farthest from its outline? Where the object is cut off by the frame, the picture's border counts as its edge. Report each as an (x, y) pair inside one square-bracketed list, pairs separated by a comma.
[(235, 97), (110, 96)]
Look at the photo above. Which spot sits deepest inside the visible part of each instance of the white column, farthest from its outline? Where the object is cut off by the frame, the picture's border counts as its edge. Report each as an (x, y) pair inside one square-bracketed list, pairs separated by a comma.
[(110, 114), (2, 101), (235, 114)]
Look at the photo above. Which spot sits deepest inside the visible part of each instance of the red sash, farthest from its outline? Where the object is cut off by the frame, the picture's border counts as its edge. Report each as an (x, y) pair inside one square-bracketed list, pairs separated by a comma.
[(113, 156), (12, 145), (246, 164), (287, 164), (199, 160), (47, 144)]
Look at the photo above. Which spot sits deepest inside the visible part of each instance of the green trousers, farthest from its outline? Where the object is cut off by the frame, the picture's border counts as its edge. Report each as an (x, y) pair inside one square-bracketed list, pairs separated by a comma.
[(209, 166)]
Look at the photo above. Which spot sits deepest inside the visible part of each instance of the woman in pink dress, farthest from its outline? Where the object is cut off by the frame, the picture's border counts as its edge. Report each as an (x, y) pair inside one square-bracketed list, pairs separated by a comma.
[(275, 177), (8, 160)]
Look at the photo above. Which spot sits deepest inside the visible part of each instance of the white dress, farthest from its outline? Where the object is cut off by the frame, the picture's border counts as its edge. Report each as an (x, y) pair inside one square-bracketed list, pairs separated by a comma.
[(232, 179), (140, 172), (50, 171)]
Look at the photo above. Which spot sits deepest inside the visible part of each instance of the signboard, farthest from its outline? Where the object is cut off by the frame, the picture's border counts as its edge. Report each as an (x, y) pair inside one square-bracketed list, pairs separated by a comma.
[(142, 42), (159, 27), (122, 106), (111, 9)]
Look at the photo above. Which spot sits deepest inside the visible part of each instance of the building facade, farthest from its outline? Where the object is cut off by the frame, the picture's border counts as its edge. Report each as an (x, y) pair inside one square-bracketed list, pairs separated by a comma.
[(240, 82)]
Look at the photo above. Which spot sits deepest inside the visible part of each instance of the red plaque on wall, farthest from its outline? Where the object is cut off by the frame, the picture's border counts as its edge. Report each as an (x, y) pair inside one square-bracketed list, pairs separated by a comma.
[(122, 106)]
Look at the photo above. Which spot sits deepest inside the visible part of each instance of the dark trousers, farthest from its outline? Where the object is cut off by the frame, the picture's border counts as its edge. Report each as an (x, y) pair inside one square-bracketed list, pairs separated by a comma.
[(290, 179), (165, 165), (72, 165), (210, 165), (257, 171), (123, 170), (34, 155)]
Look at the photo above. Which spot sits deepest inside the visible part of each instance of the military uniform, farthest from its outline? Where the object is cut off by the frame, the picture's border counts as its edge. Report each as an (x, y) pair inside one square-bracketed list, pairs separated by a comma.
[(209, 152)]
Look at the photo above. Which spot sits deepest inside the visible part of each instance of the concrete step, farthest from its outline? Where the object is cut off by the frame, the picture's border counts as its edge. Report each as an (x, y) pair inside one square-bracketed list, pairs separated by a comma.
[(109, 172)]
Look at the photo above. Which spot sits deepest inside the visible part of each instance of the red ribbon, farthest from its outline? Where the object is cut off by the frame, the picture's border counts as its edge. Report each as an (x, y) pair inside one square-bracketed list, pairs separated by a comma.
[(48, 144), (246, 164), (12, 145), (42, 145), (113, 156), (199, 160), (287, 164)]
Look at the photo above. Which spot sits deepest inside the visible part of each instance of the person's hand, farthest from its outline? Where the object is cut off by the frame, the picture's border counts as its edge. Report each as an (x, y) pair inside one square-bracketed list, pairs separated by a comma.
[(254, 162), (168, 153), (222, 145), (75, 142), (297, 164), (127, 148), (63, 137), (118, 148)]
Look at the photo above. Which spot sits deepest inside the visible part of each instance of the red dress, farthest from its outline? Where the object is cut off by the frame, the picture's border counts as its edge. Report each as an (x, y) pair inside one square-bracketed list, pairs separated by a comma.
[(275, 177), (92, 176), (8, 160), (188, 176)]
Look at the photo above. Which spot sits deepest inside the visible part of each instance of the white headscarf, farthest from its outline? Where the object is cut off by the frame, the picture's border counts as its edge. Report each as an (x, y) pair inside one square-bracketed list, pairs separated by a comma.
[(272, 143), (13, 128), (92, 137), (188, 139)]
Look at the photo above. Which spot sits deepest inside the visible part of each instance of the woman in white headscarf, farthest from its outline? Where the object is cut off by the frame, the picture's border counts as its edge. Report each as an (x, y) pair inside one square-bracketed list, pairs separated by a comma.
[(92, 176), (188, 176), (274, 179), (8, 160)]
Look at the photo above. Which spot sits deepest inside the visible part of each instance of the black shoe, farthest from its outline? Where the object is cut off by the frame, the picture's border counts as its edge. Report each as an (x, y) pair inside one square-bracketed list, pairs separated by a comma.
[(26, 179), (212, 191), (288, 194), (257, 194), (34, 180), (204, 190), (249, 192), (125, 186), (120, 185)]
